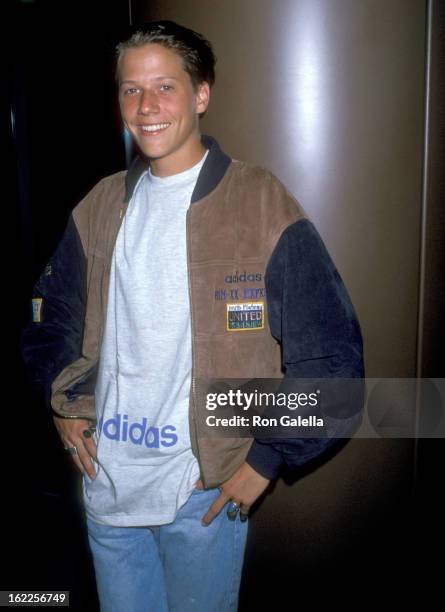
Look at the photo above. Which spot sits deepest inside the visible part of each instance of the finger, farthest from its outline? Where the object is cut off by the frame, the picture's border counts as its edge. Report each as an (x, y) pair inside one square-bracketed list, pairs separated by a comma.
[(86, 459), (215, 509), (72, 450), (244, 513), (78, 463), (90, 445), (81, 458), (79, 443), (199, 485)]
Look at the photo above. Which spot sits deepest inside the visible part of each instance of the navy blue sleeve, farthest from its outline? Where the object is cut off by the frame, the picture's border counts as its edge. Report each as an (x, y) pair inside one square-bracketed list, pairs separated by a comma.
[(53, 337), (311, 315)]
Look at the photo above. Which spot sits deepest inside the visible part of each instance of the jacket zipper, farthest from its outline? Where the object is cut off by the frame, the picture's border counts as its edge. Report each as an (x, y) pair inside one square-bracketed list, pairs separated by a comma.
[(193, 390)]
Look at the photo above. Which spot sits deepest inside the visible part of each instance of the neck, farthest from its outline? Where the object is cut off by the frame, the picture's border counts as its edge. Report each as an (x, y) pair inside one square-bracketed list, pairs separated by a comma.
[(181, 162)]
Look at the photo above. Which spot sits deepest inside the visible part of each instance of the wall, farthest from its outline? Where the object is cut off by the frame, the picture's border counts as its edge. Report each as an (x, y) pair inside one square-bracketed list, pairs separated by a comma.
[(331, 97)]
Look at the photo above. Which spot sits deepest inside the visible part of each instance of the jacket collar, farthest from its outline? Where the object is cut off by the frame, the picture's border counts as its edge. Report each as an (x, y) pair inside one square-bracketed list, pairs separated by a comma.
[(211, 173)]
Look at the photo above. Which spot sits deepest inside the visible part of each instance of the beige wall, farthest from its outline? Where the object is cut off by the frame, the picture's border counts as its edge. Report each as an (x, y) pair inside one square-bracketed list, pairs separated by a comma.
[(329, 94)]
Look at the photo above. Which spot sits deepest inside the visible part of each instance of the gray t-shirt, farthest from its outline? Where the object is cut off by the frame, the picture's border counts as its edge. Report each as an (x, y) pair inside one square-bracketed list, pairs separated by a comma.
[(146, 469)]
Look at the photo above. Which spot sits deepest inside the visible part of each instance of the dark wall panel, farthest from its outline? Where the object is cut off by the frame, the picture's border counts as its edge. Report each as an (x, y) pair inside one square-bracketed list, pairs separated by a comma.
[(63, 134), (432, 358)]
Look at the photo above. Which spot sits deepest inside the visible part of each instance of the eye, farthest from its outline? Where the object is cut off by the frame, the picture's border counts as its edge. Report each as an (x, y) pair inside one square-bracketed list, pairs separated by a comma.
[(165, 87), (130, 91)]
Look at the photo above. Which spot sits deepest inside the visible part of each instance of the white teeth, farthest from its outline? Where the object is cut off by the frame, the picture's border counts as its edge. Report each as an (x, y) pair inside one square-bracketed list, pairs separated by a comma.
[(155, 128)]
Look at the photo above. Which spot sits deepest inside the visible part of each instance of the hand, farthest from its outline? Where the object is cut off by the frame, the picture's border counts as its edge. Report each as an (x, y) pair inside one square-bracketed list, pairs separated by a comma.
[(71, 434), (244, 488)]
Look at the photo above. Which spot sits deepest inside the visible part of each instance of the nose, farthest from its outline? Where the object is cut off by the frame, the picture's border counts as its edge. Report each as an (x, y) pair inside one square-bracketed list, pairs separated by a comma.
[(148, 102)]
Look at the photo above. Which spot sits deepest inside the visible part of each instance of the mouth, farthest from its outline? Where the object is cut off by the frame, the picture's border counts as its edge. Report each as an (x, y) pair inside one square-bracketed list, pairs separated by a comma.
[(153, 129)]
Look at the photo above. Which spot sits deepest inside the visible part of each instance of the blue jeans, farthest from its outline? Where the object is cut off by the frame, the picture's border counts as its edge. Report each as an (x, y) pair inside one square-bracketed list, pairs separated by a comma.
[(179, 567)]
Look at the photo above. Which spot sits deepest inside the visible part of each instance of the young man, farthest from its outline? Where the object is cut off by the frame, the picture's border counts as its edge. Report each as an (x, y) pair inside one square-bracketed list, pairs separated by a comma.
[(137, 307)]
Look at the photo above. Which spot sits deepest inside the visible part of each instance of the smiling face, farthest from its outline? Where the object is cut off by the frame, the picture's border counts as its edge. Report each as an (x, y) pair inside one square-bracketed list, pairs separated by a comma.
[(160, 107)]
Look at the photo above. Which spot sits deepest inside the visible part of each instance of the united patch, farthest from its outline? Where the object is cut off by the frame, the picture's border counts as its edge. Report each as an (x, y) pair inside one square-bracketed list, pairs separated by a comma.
[(37, 310), (244, 317)]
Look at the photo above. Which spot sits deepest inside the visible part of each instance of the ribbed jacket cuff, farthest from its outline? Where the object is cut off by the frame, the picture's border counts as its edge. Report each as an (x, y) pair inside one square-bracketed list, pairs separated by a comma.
[(264, 459)]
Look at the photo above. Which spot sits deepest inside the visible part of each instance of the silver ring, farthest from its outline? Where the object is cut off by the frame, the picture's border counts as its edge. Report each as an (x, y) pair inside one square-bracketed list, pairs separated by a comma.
[(232, 510), (72, 450)]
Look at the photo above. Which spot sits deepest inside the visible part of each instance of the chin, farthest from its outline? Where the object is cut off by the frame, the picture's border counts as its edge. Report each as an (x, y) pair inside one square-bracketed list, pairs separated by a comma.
[(153, 152)]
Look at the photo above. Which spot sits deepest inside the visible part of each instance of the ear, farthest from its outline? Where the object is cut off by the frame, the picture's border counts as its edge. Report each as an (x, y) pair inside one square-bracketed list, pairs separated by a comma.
[(202, 97)]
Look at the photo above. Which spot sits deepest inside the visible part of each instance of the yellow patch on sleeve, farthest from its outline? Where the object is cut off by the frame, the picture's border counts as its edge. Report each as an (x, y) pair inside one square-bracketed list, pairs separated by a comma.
[(37, 310)]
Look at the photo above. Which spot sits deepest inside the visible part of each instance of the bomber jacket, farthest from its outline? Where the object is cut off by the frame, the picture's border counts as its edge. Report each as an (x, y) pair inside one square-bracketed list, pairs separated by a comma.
[(248, 242)]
